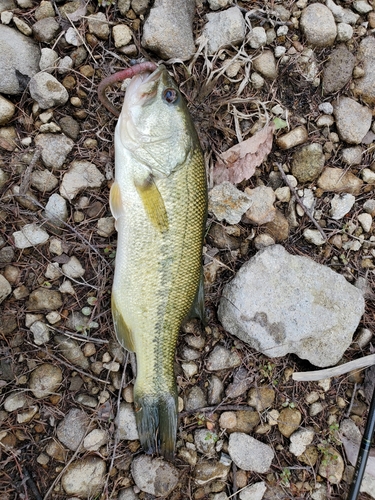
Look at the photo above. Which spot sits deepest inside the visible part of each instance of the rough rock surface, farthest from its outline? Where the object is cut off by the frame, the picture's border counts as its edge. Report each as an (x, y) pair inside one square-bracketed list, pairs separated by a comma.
[(223, 29), (168, 30), (365, 86), (338, 69), (249, 453), (318, 25), (17, 53), (154, 476), (81, 175), (352, 119), (84, 477), (301, 307)]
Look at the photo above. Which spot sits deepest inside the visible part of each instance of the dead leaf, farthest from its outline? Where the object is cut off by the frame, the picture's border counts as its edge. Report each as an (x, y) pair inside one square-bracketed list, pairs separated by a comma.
[(240, 161), (351, 450), (79, 13)]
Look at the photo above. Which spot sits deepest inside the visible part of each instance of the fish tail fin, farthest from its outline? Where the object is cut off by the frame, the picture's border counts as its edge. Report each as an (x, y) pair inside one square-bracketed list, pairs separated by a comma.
[(156, 417)]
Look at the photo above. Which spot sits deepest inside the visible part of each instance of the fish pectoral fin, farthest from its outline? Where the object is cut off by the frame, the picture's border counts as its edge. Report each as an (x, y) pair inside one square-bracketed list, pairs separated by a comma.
[(153, 203), (197, 309), (115, 201), (124, 334)]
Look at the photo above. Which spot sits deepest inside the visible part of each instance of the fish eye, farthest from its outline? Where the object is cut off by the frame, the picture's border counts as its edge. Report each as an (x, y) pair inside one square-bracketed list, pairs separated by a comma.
[(170, 96)]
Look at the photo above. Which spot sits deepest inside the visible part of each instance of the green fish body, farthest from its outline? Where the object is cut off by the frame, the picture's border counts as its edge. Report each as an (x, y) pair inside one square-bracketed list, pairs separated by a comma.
[(159, 201)]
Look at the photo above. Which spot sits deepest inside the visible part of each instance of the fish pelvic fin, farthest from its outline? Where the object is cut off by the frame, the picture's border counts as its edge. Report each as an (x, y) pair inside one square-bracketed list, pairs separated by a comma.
[(156, 417), (153, 203)]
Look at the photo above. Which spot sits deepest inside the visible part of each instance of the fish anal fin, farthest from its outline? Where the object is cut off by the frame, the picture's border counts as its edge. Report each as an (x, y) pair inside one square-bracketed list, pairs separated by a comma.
[(115, 201), (197, 309), (124, 334), (153, 203)]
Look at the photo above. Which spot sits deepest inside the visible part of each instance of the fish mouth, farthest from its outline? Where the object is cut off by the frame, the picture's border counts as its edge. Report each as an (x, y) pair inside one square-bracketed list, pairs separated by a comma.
[(148, 85)]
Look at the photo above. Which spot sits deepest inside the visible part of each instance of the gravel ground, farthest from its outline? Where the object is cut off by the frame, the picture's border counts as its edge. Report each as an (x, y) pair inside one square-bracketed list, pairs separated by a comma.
[(247, 430)]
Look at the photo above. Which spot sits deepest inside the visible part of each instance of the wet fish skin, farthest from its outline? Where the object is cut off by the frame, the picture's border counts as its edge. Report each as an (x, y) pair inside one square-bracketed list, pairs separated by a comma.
[(159, 201)]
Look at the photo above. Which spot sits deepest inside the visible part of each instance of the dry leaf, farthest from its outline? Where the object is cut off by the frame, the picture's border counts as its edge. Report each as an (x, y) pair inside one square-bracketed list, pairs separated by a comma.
[(79, 13), (240, 161)]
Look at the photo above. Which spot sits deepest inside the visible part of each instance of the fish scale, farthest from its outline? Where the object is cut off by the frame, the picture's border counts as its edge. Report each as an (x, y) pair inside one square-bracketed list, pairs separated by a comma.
[(158, 258)]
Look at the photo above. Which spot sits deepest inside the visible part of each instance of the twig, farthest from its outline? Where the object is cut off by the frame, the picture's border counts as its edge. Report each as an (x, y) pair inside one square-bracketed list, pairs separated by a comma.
[(76, 369), (212, 409), (351, 401), (300, 202), (25, 183), (31, 483), (336, 370)]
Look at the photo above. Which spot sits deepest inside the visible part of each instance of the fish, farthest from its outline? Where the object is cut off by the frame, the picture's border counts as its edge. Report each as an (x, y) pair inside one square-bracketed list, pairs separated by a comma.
[(159, 203)]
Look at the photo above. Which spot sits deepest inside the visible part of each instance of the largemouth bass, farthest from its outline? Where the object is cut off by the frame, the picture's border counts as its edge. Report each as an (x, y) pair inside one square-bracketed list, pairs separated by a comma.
[(159, 201)]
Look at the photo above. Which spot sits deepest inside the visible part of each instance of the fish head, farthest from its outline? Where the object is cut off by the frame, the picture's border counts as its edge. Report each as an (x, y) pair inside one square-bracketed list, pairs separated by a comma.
[(155, 124)]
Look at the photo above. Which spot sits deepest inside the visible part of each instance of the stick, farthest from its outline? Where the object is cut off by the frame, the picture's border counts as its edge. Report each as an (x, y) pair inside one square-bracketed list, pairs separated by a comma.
[(336, 370), (119, 77)]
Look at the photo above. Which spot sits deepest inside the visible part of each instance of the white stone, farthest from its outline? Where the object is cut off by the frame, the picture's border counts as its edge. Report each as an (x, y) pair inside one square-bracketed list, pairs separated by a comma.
[(122, 35), (362, 6), (73, 38), (249, 453), (314, 237), (299, 441), (48, 60), (341, 204), (325, 121), (228, 203), (340, 14), (47, 91), (224, 28), (257, 80), (253, 492), (29, 236), (95, 440), (15, 401), (53, 271), (7, 110), (257, 38), (286, 315), (84, 477), (65, 65), (326, 108), (366, 222), (73, 268), (154, 475), (81, 175), (279, 51), (125, 423), (344, 32), (368, 176), (263, 240), (283, 194), (56, 210), (5, 288), (41, 332)]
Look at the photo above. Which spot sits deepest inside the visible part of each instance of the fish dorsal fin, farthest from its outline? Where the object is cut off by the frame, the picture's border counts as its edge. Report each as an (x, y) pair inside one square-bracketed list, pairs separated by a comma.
[(124, 335), (115, 201), (153, 203)]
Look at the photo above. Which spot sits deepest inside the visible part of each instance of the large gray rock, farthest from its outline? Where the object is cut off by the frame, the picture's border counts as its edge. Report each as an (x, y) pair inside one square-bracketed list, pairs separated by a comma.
[(249, 453), (18, 53), (223, 29), (154, 476), (280, 303), (47, 91), (318, 25), (338, 69), (353, 120), (365, 86), (168, 30), (84, 477)]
